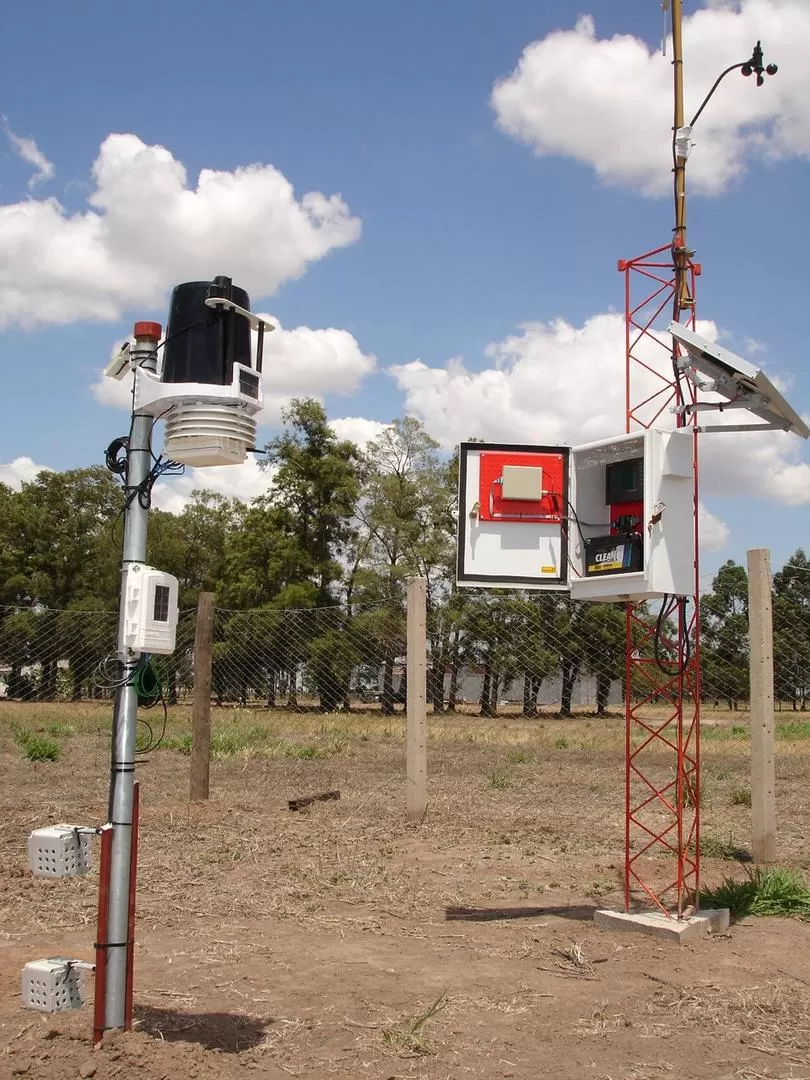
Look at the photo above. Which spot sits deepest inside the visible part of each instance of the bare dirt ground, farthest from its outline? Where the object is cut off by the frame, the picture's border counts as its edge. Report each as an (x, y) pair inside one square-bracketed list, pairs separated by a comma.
[(342, 942)]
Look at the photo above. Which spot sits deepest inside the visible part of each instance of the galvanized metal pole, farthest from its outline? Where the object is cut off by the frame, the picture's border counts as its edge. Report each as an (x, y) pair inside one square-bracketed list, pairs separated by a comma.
[(125, 718)]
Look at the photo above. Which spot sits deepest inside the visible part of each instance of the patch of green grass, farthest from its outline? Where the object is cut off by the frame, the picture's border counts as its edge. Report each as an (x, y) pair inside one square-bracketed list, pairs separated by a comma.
[(799, 729), (409, 1041), (60, 730), (765, 891), (181, 743), (519, 757), (717, 847), (232, 741), (499, 780), (561, 743), (740, 796), (722, 734), (37, 747), (689, 794), (600, 888), (228, 742)]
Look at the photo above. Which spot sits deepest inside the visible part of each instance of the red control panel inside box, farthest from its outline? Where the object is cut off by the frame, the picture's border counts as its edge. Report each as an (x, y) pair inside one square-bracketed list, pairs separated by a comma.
[(550, 506), (626, 518)]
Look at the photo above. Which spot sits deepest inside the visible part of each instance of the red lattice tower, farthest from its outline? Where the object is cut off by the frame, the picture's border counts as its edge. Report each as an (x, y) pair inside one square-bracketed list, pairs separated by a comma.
[(662, 755)]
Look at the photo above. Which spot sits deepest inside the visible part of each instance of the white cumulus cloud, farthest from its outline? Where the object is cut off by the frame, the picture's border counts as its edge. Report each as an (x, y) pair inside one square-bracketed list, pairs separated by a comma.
[(27, 149), (244, 482), (714, 533), (309, 363), (357, 429), (607, 102), (21, 470), (145, 228)]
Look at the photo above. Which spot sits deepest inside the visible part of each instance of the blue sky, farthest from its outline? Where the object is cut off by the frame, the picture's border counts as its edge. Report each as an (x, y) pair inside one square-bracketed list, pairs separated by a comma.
[(463, 233)]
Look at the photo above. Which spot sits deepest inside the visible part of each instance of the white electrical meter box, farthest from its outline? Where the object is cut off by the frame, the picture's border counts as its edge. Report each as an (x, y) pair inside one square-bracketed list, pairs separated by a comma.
[(522, 482), (52, 985), (612, 520), (150, 610)]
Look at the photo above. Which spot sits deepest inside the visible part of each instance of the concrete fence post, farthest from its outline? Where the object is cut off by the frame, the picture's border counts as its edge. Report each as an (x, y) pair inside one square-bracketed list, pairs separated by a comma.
[(763, 769), (201, 704), (416, 721)]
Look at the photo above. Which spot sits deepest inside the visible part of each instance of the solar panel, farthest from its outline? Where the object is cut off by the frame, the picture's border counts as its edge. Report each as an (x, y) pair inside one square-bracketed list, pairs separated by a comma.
[(717, 370)]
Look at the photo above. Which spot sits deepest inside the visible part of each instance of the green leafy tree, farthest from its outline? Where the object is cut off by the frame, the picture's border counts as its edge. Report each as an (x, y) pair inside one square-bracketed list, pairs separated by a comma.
[(83, 636), (60, 550), (315, 488), (9, 535), (724, 636), (493, 627), (602, 630), (18, 636), (406, 526), (570, 648), (62, 546), (264, 560), (537, 650), (194, 545), (791, 631)]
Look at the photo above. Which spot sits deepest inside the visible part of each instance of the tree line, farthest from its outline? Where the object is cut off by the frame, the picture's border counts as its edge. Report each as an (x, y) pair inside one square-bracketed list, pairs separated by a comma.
[(310, 580)]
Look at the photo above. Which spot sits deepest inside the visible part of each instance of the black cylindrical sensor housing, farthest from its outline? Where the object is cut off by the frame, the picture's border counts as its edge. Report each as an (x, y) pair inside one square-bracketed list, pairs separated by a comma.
[(202, 343)]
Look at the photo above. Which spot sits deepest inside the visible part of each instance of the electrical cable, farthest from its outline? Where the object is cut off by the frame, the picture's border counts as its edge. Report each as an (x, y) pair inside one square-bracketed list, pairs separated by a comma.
[(668, 605), (149, 686), (154, 743), (107, 679), (187, 329), (114, 459), (513, 516), (161, 467), (110, 673), (148, 683)]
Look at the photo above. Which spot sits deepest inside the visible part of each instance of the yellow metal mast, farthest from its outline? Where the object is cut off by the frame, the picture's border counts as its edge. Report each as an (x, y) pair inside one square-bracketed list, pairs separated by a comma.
[(683, 299)]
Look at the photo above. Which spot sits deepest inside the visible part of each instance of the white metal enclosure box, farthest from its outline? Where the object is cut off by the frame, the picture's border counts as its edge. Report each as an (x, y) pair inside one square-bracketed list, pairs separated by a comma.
[(608, 520)]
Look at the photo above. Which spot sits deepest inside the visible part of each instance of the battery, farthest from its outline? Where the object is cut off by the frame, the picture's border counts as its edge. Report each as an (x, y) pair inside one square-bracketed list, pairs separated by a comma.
[(613, 555)]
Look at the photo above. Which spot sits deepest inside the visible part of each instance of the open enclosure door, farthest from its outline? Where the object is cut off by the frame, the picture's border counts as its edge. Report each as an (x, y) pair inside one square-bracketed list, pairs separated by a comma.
[(513, 516), (609, 521), (633, 533)]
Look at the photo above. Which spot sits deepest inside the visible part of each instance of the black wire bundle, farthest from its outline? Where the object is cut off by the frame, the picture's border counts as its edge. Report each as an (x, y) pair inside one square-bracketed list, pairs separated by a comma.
[(668, 605), (111, 675), (115, 456), (143, 491)]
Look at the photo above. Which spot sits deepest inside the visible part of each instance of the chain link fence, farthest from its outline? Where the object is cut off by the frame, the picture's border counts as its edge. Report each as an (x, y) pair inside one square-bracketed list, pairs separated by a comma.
[(494, 654), (52, 655)]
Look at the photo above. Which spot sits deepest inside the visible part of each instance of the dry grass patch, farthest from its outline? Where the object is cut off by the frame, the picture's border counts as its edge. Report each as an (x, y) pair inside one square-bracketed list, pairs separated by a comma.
[(773, 1019)]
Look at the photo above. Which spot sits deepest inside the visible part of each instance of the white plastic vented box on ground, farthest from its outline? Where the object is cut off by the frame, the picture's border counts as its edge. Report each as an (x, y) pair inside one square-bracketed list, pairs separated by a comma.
[(59, 851), (52, 985)]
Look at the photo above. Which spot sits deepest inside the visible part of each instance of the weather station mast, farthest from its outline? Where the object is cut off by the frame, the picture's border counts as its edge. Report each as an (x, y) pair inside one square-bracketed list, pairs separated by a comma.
[(616, 522), (662, 757), (203, 379)]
